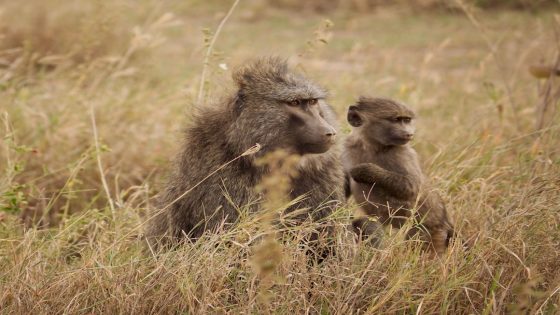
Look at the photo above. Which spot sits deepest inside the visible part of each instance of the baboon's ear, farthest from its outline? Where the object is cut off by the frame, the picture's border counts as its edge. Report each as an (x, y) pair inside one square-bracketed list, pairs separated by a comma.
[(354, 117)]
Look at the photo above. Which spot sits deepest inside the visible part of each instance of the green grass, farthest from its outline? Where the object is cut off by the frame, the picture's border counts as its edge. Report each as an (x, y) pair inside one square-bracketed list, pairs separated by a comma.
[(63, 251)]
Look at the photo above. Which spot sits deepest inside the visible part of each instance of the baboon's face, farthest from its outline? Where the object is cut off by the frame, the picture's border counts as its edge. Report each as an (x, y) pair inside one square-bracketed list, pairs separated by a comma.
[(308, 128), (281, 110), (384, 127)]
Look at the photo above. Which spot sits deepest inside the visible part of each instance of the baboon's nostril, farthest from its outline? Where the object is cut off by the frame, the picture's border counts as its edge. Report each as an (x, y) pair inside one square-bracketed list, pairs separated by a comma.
[(330, 133)]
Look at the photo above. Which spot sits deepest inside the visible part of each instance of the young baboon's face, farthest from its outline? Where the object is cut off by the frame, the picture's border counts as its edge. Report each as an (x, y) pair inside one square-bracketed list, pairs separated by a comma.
[(383, 121)]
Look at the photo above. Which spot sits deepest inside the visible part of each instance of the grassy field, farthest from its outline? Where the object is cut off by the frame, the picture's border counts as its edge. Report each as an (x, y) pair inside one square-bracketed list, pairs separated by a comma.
[(91, 87)]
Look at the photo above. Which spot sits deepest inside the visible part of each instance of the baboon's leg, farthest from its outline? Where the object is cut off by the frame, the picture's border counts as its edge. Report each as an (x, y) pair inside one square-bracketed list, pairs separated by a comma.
[(368, 230)]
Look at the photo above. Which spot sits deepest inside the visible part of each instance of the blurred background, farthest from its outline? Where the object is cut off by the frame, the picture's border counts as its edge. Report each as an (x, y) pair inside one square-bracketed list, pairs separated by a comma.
[(137, 65)]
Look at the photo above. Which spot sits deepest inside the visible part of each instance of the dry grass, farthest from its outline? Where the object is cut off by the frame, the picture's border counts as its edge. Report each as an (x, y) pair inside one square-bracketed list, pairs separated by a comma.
[(62, 250)]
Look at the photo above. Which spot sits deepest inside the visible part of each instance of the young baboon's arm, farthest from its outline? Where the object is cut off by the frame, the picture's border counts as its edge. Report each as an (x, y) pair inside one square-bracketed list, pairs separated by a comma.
[(401, 186)]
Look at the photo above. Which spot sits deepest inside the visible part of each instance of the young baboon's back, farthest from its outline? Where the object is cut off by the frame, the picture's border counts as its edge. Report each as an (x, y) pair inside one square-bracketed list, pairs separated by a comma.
[(386, 177), (274, 108)]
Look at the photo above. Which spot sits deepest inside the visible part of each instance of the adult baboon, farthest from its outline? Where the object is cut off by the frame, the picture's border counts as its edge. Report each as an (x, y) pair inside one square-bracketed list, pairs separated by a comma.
[(273, 107), (386, 178)]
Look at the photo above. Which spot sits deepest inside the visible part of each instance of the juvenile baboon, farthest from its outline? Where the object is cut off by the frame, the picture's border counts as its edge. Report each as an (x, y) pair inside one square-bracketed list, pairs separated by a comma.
[(273, 107), (385, 174)]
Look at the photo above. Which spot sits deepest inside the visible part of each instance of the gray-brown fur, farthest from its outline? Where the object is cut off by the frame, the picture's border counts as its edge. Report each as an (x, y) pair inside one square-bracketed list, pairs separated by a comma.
[(385, 176), (274, 108)]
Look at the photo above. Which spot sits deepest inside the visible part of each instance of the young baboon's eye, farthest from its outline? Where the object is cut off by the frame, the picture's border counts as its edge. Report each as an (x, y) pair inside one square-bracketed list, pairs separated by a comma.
[(312, 101), (406, 120), (294, 103)]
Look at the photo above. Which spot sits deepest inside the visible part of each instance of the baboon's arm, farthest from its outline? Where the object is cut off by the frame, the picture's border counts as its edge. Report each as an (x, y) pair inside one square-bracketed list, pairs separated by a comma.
[(401, 186)]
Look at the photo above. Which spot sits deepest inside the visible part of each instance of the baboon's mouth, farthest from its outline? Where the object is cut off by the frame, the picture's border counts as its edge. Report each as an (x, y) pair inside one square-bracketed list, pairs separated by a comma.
[(316, 147), (401, 141)]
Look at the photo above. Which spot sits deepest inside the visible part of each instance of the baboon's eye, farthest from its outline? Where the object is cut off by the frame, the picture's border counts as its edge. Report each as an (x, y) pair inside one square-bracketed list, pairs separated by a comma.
[(401, 119), (312, 101), (294, 103)]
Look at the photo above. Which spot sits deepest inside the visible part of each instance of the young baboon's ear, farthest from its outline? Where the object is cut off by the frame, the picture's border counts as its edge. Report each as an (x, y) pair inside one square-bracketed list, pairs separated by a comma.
[(354, 117)]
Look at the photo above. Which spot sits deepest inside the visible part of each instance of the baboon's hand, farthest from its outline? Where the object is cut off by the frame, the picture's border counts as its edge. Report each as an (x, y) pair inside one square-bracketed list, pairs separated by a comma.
[(365, 173), (403, 187)]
